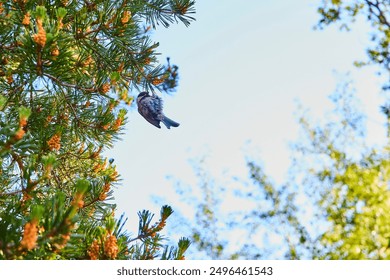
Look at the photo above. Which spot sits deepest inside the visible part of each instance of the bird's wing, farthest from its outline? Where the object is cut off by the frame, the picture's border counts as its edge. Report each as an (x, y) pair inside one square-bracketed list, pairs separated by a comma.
[(154, 122), (149, 115), (156, 104)]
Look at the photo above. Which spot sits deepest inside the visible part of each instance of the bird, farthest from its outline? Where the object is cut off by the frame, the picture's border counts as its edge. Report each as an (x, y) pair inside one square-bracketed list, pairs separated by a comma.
[(151, 108)]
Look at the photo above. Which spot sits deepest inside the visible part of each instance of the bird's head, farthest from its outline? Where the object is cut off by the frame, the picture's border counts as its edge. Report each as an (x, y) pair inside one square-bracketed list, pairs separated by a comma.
[(142, 95)]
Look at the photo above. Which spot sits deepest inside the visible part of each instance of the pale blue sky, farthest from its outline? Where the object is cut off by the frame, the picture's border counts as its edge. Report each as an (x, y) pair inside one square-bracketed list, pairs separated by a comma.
[(243, 65)]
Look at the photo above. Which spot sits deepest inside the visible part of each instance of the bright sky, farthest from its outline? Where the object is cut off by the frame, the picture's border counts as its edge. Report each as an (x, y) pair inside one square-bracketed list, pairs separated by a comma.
[(242, 65)]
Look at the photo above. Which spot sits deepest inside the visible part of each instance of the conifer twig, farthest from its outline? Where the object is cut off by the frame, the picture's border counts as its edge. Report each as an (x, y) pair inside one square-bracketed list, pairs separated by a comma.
[(62, 83)]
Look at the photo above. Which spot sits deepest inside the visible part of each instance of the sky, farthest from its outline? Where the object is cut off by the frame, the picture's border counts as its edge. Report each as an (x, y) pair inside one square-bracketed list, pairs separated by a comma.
[(244, 66)]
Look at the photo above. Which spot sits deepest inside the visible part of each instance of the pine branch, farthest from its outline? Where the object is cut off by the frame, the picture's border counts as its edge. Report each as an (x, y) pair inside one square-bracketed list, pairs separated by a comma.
[(58, 81)]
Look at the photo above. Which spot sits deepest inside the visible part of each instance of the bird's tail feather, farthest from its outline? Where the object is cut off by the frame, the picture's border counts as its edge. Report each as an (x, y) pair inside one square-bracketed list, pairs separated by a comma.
[(168, 122)]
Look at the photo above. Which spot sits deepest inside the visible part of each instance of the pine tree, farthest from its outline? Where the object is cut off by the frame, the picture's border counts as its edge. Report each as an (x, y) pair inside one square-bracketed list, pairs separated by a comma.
[(66, 70)]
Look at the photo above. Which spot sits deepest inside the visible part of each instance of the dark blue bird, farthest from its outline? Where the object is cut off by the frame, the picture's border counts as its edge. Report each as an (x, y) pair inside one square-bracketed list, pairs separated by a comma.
[(151, 108)]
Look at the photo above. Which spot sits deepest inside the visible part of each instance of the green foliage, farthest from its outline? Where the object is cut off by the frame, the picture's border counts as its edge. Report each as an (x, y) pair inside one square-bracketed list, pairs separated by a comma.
[(360, 229), (335, 204), (207, 227), (151, 238), (351, 187), (66, 71), (377, 14)]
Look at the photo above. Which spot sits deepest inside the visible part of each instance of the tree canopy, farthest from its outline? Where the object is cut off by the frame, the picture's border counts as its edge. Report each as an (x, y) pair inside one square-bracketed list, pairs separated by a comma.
[(376, 12), (335, 202)]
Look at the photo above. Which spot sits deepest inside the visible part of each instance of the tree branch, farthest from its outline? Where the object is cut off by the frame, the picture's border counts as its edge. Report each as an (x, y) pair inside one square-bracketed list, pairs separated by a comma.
[(91, 89), (380, 14)]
